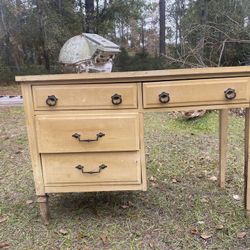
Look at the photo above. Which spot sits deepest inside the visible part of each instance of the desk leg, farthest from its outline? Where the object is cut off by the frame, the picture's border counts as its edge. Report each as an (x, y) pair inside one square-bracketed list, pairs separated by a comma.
[(223, 146), (44, 208), (247, 164)]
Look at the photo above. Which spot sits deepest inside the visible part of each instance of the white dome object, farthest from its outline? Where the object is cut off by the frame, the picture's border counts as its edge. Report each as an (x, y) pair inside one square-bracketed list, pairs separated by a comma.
[(75, 50), (87, 47), (102, 43)]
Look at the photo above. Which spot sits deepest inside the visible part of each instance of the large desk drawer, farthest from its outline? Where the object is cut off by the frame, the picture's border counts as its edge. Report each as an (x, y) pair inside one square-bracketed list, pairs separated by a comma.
[(85, 96), (195, 92), (92, 168), (87, 132)]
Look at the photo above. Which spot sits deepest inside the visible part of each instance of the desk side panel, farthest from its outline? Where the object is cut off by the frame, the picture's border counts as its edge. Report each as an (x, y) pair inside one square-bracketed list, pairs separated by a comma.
[(31, 132)]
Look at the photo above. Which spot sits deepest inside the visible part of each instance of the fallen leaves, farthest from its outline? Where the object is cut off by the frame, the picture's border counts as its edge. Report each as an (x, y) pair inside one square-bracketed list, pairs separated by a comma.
[(104, 238), (124, 206), (194, 231), (219, 227), (4, 245), (200, 222), (206, 236), (127, 205), (241, 235), (204, 200), (236, 197), (3, 218), (28, 202), (63, 231), (151, 245), (174, 181), (213, 178), (152, 179)]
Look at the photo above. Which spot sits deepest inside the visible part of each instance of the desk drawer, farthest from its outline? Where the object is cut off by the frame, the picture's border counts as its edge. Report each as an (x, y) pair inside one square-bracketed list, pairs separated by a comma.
[(194, 92), (85, 96), (91, 168), (87, 133)]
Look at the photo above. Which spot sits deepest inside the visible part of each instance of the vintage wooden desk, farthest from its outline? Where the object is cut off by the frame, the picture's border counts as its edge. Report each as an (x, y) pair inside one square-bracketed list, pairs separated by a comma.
[(86, 130)]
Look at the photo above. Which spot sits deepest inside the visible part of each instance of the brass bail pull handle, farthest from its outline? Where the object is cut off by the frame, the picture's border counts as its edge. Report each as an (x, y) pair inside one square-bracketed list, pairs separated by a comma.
[(230, 93), (164, 97), (78, 137), (116, 99), (101, 167), (51, 100)]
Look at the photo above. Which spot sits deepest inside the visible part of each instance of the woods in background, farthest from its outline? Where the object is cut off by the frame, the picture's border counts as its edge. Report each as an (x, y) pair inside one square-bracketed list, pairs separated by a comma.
[(153, 34)]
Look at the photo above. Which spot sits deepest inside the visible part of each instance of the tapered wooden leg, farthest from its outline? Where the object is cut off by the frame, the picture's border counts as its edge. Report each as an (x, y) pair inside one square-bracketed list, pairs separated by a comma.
[(44, 208), (223, 128), (247, 164)]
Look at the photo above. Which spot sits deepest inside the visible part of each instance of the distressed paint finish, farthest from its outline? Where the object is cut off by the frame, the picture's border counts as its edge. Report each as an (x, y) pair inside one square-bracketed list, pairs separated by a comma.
[(53, 148)]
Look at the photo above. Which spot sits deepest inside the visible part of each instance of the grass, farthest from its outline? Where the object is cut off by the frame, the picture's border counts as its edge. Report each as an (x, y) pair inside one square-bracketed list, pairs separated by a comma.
[(181, 202)]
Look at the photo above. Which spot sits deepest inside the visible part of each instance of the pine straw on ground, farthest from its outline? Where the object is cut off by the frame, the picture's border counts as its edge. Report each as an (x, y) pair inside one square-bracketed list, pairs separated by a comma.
[(181, 205)]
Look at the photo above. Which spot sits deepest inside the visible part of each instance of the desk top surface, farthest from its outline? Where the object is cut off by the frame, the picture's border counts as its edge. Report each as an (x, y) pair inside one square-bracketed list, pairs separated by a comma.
[(139, 76)]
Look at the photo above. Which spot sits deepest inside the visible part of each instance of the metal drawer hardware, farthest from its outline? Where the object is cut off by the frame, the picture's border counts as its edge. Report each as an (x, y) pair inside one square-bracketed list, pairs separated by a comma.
[(78, 137), (116, 99), (230, 94), (164, 97), (101, 167), (51, 100)]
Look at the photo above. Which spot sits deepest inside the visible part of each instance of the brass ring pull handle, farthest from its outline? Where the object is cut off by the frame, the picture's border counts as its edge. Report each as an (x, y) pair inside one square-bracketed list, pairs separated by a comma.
[(101, 167), (78, 137), (116, 99), (51, 100), (164, 97), (230, 94)]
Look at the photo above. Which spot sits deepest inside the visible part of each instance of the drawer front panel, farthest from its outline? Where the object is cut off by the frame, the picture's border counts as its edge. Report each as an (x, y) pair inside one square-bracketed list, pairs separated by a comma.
[(84, 168), (194, 92), (86, 96), (87, 133)]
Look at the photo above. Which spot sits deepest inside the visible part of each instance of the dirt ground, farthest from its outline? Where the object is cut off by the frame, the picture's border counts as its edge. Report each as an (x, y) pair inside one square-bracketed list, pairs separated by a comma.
[(10, 89)]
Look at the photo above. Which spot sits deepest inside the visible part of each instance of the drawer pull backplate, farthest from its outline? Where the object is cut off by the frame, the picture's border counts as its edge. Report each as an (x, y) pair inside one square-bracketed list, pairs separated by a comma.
[(78, 137), (116, 99), (230, 94), (164, 97), (101, 167), (51, 100)]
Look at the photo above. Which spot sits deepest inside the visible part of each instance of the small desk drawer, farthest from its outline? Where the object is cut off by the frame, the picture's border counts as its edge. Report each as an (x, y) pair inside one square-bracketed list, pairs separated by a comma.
[(85, 96), (87, 133), (91, 168), (194, 92)]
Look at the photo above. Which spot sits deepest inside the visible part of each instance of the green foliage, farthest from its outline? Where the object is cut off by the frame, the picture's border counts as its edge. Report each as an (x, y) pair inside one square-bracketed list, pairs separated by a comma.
[(141, 61), (200, 33)]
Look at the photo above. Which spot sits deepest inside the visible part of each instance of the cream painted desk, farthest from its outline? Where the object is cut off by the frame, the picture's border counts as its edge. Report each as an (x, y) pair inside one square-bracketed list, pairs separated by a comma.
[(86, 130)]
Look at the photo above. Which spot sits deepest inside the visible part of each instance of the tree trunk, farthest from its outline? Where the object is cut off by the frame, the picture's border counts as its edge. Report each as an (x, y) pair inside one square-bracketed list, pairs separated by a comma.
[(133, 33), (59, 2), (162, 9), (82, 15), (89, 8), (42, 34), (142, 35), (97, 17), (10, 49), (182, 12), (203, 21), (176, 31)]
